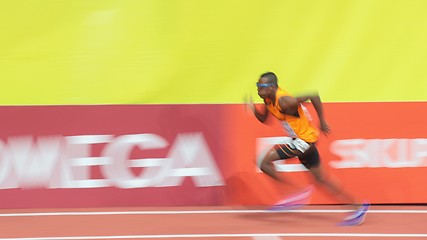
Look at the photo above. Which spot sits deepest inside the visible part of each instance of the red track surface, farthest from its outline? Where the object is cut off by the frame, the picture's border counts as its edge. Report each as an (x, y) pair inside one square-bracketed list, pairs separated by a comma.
[(383, 222)]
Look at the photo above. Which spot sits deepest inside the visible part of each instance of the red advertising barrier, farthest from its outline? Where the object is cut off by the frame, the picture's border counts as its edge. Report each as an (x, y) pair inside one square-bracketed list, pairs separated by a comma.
[(182, 155), (377, 151), (94, 156)]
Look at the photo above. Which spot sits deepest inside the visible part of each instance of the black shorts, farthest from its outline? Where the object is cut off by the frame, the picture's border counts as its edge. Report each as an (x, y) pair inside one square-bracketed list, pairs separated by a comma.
[(308, 156)]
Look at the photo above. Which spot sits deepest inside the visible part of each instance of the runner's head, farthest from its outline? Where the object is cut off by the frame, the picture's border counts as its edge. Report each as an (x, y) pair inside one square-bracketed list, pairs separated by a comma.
[(267, 85)]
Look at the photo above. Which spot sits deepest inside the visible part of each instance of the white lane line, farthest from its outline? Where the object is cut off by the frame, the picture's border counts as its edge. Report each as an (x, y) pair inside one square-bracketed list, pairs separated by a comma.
[(274, 237), (367, 235), (198, 212)]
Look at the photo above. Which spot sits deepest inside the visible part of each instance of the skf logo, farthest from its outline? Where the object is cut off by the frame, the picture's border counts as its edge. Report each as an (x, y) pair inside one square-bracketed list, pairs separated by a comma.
[(376, 153), (360, 153)]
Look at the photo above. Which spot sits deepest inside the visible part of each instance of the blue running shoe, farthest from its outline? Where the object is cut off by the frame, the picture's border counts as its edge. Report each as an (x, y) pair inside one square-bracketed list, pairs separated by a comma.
[(357, 217)]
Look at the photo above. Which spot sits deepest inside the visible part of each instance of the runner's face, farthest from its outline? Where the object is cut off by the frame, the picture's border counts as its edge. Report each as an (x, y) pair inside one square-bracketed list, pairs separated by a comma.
[(265, 89)]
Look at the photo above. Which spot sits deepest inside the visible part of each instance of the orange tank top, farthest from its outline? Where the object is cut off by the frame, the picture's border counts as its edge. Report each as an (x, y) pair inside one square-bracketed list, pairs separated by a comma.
[(300, 127)]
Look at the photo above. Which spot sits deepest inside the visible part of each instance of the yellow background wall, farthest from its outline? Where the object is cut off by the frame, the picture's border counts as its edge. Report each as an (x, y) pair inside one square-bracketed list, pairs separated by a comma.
[(210, 51)]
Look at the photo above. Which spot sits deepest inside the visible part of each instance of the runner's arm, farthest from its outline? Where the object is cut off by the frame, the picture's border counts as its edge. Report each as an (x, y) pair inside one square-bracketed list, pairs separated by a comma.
[(288, 105), (318, 106), (261, 115)]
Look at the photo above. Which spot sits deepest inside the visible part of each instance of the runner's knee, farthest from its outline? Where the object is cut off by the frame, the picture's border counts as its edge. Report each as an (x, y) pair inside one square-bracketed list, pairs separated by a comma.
[(320, 178), (266, 166)]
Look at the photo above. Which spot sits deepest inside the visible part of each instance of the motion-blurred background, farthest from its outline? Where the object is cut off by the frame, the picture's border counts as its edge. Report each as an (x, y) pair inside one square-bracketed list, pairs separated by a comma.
[(140, 102)]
